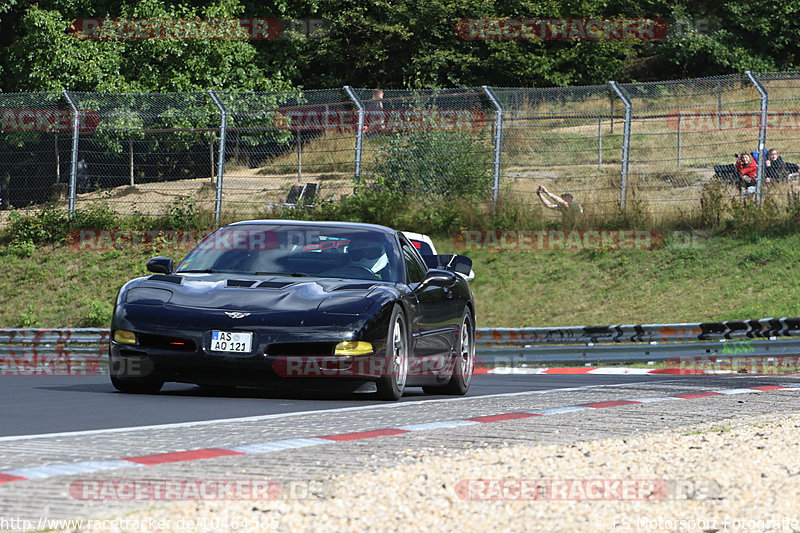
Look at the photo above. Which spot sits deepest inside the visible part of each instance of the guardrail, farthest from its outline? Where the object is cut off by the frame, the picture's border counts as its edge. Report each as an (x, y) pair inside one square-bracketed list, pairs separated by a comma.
[(83, 350), (635, 343), (61, 351), (700, 331)]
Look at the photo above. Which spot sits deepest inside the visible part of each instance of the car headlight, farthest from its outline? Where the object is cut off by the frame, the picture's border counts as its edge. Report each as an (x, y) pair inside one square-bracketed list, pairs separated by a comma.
[(123, 336), (148, 296), (353, 348)]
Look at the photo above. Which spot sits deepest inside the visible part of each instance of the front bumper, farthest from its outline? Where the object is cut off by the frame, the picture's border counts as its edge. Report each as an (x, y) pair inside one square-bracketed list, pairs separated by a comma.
[(174, 345)]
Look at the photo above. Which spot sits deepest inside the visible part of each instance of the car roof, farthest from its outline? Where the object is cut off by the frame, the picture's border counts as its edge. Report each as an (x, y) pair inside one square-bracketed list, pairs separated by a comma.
[(314, 223)]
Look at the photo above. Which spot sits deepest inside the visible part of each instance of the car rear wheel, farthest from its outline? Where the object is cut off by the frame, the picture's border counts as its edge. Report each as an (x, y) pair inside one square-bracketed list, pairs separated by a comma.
[(393, 383), (464, 364)]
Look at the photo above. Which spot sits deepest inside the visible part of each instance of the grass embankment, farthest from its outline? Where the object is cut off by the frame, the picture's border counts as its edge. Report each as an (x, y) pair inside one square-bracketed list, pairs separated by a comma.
[(718, 279)]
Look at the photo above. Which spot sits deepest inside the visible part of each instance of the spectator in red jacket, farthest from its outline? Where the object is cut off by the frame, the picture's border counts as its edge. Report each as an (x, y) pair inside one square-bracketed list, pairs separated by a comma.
[(747, 169)]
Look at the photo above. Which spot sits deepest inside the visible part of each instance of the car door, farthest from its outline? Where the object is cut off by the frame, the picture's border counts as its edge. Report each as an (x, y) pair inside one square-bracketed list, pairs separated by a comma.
[(433, 342)]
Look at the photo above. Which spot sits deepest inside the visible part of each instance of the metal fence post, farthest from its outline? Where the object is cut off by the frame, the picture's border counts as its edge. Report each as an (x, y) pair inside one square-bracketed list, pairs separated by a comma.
[(599, 142), (300, 157), (626, 143), (359, 134), (498, 143), (73, 170), (611, 108), (762, 136), (223, 124)]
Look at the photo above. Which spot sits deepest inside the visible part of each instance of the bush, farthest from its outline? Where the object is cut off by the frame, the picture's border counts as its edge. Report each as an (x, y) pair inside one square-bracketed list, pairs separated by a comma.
[(97, 216), (713, 203), (183, 213), (97, 314), (20, 248), (27, 319), (370, 205), (414, 162), (751, 222), (636, 214), (48, 225)]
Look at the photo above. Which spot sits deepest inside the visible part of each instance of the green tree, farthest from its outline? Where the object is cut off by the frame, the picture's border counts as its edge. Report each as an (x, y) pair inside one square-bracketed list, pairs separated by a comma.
[(44, 57)]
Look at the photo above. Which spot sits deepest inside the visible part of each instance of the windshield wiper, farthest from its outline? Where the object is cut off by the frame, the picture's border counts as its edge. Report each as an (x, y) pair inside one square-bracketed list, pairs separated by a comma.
[(199, 271)]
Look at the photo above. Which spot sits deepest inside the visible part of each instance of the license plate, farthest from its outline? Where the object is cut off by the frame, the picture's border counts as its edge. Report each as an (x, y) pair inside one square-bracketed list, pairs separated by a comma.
[(231, 341)]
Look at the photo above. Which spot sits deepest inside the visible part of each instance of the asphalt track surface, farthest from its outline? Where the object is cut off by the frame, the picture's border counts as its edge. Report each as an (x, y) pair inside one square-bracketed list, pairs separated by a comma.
[(57, 431), (33, 405)]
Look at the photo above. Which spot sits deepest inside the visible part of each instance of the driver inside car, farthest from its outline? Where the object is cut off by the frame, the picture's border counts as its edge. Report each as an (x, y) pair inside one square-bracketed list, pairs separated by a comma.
[(368, 254)]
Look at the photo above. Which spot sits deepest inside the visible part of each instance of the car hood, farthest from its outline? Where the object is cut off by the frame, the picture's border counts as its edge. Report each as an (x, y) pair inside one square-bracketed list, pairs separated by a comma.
[(250, 293)]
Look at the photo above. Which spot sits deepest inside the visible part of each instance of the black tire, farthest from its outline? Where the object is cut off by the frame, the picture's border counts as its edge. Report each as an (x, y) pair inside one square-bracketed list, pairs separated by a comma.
[(136, 386), (128, 375), (393, 383), (461, 377)]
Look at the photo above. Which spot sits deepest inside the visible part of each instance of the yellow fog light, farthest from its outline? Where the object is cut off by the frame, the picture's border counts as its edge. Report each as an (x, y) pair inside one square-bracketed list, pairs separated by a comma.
[(353, 348), (124, 337)]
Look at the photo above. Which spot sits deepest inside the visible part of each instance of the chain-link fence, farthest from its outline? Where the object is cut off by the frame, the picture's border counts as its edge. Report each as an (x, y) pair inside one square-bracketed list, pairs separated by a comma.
[(35, 148), (650, 147), (431, 141), (681, 130), (568, 140)]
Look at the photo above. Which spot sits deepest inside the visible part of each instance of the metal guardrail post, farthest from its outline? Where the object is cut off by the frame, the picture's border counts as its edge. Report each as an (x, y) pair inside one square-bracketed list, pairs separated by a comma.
[(626, 143), (359, 134), (73, 170), (498, 143), (223, 124), (762, 136)]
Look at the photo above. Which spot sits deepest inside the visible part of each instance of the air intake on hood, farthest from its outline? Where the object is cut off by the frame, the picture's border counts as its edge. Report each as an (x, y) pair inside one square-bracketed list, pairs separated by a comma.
[(169, 279), (355, 287), (240, 283), (274, 284)]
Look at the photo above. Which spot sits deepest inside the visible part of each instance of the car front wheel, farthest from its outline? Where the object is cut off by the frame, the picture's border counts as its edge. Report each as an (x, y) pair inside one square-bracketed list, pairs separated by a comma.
[(136, 386), (126, 376), (393, 383)]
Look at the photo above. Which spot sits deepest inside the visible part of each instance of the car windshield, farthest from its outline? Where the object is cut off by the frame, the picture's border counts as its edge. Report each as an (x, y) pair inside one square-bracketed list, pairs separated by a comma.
[(295, 250)]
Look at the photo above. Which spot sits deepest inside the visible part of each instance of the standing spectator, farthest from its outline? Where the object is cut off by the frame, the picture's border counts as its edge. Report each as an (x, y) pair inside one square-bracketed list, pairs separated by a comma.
[(748, 171), (83, 180), (570, 209), (374, 120)]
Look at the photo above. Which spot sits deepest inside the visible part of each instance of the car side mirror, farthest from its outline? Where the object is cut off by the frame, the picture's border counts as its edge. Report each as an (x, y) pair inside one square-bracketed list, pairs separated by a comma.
[(437, 278), (160, 265), (459, 264)]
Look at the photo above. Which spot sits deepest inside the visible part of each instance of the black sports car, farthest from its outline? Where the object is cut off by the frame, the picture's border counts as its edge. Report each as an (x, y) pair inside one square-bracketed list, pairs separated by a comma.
[(263, 301)]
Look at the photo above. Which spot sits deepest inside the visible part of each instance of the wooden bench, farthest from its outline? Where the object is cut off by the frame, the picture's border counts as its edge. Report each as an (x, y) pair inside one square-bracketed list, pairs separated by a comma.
[(299, 195), (773, 174), (727, 174)]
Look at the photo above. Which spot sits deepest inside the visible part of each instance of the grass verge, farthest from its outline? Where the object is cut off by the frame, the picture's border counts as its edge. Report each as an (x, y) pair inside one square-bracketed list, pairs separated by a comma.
[(721, 278)]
